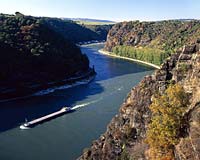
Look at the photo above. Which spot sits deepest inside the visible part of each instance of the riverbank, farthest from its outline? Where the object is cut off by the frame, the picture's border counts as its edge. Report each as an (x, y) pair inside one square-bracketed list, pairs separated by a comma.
[(42, 89), (130, 59)]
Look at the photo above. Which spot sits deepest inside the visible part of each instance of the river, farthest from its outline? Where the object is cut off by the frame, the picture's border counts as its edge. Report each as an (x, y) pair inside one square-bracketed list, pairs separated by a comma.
[(65, 137)]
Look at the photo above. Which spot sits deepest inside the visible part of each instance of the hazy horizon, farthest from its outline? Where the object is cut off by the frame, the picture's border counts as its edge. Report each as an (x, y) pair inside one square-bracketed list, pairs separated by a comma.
[(113, 10)]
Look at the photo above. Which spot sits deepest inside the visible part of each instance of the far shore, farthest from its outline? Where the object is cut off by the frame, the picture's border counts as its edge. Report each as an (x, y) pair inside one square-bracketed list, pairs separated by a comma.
[(131, 59)]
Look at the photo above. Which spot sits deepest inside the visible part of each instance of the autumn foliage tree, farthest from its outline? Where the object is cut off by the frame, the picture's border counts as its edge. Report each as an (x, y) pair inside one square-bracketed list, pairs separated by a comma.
[(167, 118)]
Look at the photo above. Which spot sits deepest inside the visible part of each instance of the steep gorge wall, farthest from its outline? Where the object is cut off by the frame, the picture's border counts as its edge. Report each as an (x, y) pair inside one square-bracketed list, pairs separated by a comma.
[(126, 132), (165, 35)]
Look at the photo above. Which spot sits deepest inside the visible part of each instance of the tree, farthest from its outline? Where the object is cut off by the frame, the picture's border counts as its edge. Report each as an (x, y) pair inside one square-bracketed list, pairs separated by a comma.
[(167, 118), (18, 14)]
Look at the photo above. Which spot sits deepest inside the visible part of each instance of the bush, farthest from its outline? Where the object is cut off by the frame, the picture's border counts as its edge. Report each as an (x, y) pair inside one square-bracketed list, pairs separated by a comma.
[(167, 118)]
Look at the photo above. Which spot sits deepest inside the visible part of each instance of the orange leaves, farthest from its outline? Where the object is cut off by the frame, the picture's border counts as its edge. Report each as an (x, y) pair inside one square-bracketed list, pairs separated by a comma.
[(167, 113), (26, 28)]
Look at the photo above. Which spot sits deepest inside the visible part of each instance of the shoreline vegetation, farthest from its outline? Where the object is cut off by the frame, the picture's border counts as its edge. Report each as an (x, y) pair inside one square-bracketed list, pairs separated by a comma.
[(50, 87), (40, 90), (126, 58)]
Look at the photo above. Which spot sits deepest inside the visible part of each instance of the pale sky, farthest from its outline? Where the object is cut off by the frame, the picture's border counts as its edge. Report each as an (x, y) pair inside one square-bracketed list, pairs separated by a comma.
[(116, 10)]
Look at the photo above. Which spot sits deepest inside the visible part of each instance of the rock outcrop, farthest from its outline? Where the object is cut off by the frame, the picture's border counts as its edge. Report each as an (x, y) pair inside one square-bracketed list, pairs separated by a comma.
[(126, 132), (151, 42), (163, 35)]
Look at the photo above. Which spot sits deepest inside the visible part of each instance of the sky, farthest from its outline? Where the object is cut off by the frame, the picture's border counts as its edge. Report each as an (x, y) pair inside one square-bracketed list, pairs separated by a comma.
[(116, 10)]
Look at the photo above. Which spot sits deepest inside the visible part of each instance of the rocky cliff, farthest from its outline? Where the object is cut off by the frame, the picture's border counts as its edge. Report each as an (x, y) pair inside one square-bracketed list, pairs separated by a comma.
[(126, 133), (165, 35), (151, 42)]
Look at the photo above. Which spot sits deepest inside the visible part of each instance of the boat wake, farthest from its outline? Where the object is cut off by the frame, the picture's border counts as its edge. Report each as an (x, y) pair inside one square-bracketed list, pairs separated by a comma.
[(91, 102), (84, 104), (80, 106), (23, 127), (27, 125)]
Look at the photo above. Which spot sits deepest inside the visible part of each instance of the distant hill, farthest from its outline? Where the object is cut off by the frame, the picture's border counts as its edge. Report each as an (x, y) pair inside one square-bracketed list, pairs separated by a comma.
[(88, 21), (77, 32), (185, 20)]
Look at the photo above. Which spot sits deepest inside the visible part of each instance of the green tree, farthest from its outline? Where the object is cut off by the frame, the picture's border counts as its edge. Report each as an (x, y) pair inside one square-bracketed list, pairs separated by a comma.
[(167, 118)]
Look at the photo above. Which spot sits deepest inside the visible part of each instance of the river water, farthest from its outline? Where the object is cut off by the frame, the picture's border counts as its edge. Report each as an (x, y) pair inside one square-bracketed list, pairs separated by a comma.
[(65, 137)]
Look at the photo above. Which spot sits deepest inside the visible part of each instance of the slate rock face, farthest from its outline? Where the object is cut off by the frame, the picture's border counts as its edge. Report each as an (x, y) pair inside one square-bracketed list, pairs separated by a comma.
[(127, 130), (164, 35)]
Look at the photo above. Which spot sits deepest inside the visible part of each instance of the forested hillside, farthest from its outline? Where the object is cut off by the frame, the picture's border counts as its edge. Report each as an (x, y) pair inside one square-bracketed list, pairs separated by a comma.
[(151, 41), (32, 53), (77, 33), (101, 30)]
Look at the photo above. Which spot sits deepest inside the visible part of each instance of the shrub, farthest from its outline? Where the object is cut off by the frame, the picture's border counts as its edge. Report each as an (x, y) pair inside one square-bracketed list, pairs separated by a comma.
[(167, 118)]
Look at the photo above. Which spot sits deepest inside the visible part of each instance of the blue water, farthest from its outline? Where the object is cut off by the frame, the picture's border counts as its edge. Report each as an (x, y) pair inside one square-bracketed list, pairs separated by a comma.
[(65, 137)]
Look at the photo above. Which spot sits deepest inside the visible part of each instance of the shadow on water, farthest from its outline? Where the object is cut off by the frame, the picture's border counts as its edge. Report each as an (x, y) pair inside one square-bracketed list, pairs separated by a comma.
[(13, 113)]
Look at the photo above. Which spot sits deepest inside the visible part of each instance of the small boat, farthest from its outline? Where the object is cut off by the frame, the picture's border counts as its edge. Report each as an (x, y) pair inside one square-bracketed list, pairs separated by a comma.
[(32, 123)]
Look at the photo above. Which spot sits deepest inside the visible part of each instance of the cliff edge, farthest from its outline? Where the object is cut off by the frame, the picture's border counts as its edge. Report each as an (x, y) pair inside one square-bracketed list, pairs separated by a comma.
[(151, 42), (126, 133)]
